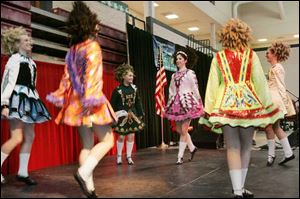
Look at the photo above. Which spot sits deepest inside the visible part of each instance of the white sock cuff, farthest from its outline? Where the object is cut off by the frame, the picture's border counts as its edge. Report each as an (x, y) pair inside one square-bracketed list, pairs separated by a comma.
[(3, 157), (182, 143), (284, 140), (271, 141), (4, 154), (244, 170)]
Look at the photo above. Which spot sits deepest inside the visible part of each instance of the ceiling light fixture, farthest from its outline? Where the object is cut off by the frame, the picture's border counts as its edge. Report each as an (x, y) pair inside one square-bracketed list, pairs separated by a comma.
[(171, 16), (193, 28), (262, 40)]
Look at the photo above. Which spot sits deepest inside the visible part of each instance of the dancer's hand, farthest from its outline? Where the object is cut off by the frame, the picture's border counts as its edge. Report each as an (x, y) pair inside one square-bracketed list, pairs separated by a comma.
[(5, 112)]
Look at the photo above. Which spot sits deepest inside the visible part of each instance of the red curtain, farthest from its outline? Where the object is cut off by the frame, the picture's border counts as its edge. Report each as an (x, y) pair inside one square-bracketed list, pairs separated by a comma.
[(54, 145)]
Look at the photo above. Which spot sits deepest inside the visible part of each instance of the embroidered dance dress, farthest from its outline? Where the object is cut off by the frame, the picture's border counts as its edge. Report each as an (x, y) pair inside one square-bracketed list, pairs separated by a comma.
[(184, 98), (18, 91), (80, 91), (127, 105), (237, 92)]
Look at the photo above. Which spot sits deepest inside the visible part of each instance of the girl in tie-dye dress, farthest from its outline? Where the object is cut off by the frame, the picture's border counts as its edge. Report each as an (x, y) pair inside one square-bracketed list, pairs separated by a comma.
[(80, 95)]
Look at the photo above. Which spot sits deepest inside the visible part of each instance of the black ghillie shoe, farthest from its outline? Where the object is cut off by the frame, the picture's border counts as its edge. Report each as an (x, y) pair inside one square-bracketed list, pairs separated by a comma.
[(285, 160), (193, 153), (271, 160)]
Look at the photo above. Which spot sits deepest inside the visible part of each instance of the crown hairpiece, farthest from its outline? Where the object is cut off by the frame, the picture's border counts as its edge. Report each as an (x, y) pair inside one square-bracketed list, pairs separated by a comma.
[(181, 53)]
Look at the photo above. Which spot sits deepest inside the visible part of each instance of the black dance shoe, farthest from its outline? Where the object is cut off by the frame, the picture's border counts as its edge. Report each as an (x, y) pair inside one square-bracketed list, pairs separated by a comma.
[(27, 180), (179, 161), (247, 194), (285, 160), (130, 161), (237, 196), (193, 153), (93, 194), (83, 186), (271, 160)]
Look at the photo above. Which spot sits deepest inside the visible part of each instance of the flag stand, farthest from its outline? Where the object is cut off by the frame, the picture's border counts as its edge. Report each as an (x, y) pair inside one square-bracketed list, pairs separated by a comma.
[(162, 145)]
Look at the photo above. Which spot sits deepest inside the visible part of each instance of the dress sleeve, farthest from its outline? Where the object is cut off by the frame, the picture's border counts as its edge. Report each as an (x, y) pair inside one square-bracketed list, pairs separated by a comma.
[(9, 79), (195, 85), (279, 74), (93, 79), (213, 84), (259, 82), (115, 100), (172, 88), (58, 97)]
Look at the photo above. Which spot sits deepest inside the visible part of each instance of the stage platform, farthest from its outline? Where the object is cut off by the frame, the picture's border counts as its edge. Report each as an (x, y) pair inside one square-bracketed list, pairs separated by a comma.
[(156, 175)]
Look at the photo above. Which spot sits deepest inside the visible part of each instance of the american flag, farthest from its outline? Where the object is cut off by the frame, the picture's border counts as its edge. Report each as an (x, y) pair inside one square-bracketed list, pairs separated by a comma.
[(161, 82)]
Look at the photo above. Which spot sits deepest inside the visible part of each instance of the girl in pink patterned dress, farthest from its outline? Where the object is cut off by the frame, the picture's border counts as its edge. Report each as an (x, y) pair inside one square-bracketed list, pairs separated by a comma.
[(184, 103)]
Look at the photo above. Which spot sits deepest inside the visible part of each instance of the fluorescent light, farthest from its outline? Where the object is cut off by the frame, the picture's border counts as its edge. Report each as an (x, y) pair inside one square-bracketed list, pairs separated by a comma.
[(193, 28), (262, 40), (155, 4), (171, 16), (296, 36)]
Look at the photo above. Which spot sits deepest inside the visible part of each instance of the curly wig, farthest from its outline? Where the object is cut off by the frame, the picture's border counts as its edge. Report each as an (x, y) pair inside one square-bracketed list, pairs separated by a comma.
[(122, 70), (10, 37), (81, 23), (236, 34), (280, 50), (188, 54)]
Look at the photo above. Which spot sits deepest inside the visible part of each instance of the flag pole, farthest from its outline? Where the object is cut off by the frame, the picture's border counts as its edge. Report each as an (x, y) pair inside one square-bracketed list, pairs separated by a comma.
[(162, 145)]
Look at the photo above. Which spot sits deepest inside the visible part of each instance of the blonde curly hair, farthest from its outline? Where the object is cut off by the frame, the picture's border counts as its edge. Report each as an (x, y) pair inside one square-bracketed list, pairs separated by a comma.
[(10, 37), (123, 70), (280, 50), (236, 34)]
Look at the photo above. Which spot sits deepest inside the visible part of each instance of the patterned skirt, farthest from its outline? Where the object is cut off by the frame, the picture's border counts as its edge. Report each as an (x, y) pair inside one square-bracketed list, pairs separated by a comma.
[(73, 113), (25, 105), (185, 108), (128, 123)]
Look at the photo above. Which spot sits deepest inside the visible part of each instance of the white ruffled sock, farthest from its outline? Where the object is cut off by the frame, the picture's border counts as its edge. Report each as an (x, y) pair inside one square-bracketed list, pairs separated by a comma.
[(286, 147), (236, 181), (23, 168)]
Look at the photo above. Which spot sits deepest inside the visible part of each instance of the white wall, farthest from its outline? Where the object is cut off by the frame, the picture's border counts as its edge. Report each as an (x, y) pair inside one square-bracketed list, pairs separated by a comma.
[(169, 35), (108, 16), (221, 12), (291, 67)]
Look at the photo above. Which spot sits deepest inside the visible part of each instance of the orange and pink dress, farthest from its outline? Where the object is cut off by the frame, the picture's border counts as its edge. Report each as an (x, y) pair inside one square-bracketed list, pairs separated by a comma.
[(80, 91)]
